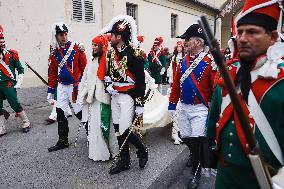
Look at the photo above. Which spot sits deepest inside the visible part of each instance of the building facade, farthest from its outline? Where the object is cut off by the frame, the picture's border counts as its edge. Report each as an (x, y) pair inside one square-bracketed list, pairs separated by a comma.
[(27, 23)]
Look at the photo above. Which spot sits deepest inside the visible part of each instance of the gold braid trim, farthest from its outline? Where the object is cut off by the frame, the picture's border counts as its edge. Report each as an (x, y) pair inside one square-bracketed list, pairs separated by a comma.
[(139, 53), (115, 68), (139, 101)]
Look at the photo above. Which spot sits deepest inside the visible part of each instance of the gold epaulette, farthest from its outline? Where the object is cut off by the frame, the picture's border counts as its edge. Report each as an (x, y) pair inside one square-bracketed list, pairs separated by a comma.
[(139, 53)]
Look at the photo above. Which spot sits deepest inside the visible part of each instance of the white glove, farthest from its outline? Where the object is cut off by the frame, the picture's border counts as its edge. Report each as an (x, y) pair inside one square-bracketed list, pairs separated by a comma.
[(81, 96), (162, 71), (50, 98), (20, 81), (108, 79), (172, 113), (79, 100), (81, 47), (139, 110), (111, 91)]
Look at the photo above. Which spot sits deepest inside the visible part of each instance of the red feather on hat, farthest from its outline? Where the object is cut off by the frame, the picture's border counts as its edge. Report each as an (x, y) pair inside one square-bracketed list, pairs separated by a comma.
[(140, 38)]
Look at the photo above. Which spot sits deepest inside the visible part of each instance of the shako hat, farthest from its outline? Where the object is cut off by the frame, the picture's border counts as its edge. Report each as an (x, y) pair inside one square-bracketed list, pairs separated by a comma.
[(264, 13)]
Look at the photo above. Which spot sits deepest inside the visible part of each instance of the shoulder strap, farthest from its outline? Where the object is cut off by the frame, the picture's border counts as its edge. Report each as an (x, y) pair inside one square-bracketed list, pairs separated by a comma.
[(198, 91), (69, 51), (192, 66), (264, 127), (6, 70)]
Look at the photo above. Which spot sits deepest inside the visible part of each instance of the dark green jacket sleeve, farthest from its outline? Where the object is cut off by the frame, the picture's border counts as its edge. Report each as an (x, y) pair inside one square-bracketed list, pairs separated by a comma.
[(16, 62), (215, 109), (163, 60)]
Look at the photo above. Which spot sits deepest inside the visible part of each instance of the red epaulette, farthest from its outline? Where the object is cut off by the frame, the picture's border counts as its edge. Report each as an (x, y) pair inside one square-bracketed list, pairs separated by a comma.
[(15, 54)]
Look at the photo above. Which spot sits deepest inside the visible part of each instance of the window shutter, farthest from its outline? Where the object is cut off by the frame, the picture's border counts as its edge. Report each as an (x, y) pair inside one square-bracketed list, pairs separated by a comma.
[(89, 11), (77, 13)]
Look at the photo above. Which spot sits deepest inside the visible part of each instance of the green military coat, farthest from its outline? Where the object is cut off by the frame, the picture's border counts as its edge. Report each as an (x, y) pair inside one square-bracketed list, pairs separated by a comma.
[(234, 168)]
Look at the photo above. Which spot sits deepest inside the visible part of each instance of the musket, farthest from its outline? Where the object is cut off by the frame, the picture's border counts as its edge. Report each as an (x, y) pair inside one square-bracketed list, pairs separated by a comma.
[(37, 74), (259, 166)]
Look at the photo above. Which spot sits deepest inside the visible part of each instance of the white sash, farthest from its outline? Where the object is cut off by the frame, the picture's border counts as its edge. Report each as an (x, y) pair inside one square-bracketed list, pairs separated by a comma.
[(65, 58), (264, 127), (192, 67), (156, 57), (260, 120), (7, 68)]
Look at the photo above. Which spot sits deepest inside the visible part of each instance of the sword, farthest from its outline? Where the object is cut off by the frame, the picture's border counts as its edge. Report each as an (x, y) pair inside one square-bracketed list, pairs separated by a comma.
[(137, 121), (37, 74), (84, 126)]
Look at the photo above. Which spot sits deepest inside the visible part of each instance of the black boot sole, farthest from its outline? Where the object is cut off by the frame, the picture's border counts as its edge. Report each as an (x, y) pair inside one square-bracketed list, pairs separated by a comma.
[(193, 185), (26, 130), (3, 134), (52, 149), (119, 171), (49, 121), (143, 165)]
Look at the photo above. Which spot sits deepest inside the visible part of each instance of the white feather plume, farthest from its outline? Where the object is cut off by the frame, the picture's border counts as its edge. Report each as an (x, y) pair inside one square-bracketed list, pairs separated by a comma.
[(133, 27), (53, 42)]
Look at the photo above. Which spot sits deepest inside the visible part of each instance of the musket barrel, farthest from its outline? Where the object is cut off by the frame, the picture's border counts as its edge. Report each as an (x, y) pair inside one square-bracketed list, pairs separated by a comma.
[(216, 53), (235, 99), (37, 74)]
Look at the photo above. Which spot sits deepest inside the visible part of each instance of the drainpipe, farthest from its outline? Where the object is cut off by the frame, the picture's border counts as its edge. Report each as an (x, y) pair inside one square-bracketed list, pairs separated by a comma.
[(217, 16)]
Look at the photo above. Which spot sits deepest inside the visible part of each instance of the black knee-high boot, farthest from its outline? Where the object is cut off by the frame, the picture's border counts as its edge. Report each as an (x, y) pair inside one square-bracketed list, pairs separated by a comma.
[(124, 161), (196, 166), (142, 152), (63, 130), (195, 144), (188, 144)]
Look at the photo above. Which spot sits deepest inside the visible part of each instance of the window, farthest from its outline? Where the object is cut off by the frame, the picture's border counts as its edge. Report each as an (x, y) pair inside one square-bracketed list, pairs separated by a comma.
[(173, 25), (131, 10), (282, 26), (83, 11)]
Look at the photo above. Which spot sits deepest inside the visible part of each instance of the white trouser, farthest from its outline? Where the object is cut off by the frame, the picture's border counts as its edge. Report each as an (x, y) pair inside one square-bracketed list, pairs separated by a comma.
[(122, 109), (192, 120), (64, 99)]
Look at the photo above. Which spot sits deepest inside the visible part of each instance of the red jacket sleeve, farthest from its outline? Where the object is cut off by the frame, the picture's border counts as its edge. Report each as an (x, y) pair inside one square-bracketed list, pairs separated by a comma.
[(82, 61), (175, 90), (52, 75)]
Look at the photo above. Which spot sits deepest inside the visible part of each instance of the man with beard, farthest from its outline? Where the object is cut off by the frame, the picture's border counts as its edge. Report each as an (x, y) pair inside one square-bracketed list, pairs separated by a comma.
[(126, 84), (258, 76), (9, 63), (193, 86), (68, 62)]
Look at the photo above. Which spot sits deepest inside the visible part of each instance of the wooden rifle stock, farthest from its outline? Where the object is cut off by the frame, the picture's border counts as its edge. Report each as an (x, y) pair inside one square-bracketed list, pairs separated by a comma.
[(236, 102)]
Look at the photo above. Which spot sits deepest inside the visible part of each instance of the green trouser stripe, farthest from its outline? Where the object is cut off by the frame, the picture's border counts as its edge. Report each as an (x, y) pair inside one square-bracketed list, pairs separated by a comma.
[(11, 95)]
